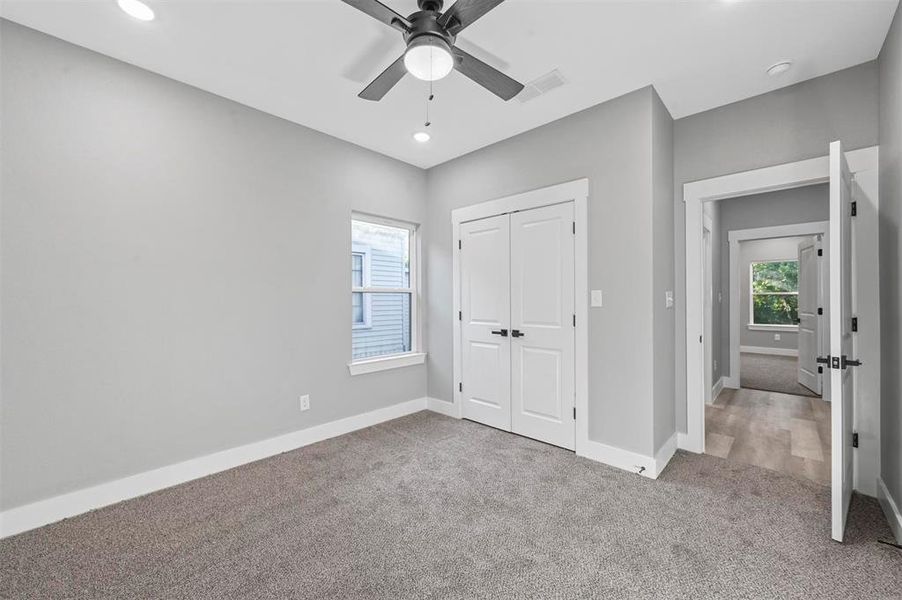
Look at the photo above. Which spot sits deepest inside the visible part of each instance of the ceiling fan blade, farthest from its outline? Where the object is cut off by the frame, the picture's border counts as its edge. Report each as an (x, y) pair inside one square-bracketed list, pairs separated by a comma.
[(385, 81), (488, 77), (464, 13), (380, 12)]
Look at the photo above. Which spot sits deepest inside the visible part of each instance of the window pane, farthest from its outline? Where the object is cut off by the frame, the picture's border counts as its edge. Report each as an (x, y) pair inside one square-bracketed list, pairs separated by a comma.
[(775, 309), (389, 253), (781, 276), (389, 327), (357, 270), (357, 308)]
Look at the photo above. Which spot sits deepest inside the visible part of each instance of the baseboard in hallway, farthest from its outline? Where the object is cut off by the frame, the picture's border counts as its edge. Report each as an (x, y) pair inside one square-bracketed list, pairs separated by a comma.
[(890, 509)]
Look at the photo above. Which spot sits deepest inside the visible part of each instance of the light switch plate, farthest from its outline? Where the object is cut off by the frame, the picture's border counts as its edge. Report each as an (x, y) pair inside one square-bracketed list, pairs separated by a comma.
[(776, 337), (596, 299)]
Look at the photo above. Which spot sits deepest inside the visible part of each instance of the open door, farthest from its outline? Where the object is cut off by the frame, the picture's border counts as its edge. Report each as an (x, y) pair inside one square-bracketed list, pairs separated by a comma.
[(840, 361), (809, 319)]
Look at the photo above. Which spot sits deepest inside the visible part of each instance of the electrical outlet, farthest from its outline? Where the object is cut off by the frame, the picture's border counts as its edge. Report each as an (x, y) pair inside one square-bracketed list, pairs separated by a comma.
[(668, 299), (715, 365), (776, 337), (305, 402)]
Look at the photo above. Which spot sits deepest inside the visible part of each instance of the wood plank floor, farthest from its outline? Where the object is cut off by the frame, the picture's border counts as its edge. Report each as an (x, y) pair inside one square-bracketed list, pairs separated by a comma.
[(782, 432)]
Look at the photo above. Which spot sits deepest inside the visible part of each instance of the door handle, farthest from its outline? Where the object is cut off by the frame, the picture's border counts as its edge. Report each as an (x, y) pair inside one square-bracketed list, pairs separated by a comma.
[(848, 362), (517, 333), (501, 332)]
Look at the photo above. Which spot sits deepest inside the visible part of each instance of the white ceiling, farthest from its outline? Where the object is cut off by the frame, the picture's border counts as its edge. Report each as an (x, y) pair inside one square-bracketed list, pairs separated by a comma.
[(306, 60)]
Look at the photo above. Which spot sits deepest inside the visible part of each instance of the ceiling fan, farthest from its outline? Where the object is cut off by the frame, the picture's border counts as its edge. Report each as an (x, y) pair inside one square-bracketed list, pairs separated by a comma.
[(431, 53)]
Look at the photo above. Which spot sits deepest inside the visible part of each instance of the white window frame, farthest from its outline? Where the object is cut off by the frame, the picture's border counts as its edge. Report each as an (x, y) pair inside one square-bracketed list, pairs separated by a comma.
[(752, 326), (414, 356), (367, 300)]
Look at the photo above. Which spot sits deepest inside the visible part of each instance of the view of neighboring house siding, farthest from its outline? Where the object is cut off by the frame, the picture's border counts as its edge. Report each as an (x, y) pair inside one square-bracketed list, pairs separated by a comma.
[(386, 325)]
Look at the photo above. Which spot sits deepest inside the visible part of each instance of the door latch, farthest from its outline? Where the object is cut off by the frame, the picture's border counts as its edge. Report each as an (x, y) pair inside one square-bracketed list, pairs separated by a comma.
[(501, 332), (517, 333)]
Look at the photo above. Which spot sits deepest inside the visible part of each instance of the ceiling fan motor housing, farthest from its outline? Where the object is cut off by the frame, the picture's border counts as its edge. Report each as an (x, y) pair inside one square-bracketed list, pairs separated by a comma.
[(425, 23)]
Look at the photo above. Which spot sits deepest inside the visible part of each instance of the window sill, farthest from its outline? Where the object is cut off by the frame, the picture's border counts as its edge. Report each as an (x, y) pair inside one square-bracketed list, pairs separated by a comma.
[(788, 328), (384, 363)]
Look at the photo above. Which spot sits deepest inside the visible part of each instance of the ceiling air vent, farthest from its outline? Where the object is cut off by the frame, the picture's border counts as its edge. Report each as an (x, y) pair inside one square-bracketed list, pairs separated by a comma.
[(541, 85)]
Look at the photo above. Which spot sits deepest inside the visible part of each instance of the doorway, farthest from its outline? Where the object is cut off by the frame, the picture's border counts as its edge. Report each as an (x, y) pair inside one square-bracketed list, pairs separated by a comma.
[(853, 284)]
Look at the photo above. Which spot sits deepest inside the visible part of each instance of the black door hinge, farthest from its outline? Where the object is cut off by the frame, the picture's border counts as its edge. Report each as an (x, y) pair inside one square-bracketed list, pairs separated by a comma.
[(460, 244), (574, 320), (820, 251), (460, 315), (574, 227), (820, 310), (854, 324), (855, 209), (460, 386), (855, 439), (574, 412)]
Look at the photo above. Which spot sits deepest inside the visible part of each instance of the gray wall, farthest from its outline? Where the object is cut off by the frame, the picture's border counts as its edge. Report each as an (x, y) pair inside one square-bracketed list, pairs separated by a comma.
[(786, 207), (785, 125), (612, 145), (158, 288), (755, 251), (663, 275), (891, 259)]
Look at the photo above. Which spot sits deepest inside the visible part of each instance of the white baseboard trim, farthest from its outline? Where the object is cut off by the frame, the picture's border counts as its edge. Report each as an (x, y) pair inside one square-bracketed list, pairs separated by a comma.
[(442, 407), (684, 442), (44, 512), (771, 351), (622, 459), (717, 389), (664, 454), (890, 509)]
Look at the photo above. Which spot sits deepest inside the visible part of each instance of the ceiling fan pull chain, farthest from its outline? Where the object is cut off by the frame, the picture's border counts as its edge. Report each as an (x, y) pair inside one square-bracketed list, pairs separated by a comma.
[(431, 96)]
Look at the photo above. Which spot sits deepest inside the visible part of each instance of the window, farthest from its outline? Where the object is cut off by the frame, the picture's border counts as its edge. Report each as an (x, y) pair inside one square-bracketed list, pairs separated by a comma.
[(383, 289), (775, 293)]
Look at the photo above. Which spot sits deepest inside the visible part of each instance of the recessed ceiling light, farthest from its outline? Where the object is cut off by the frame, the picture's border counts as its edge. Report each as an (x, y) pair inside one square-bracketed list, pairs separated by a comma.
[(136, 9), (780, 67), (422, 137)]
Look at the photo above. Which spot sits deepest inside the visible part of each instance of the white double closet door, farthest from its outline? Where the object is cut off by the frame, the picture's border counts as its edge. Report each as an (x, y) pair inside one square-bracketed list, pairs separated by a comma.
[(518, 322)]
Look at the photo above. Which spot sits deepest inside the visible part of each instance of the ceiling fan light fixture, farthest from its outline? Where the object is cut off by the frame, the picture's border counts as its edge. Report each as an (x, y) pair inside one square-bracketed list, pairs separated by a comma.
[(428, 57)]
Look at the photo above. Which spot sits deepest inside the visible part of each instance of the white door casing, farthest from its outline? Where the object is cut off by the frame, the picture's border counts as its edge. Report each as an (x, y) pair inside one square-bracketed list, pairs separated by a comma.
[(809, 320), (543, 324), (709, 308), (841, 389), (485, 308)]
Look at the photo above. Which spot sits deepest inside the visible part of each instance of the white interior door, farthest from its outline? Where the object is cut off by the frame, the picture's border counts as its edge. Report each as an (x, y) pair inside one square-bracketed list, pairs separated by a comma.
[(485, 320), (543, 324), (841, 387), (809, 320)]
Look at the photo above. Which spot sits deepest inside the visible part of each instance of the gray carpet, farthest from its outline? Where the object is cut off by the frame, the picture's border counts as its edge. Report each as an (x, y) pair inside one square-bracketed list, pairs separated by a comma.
[(431, 507), (772, 374)]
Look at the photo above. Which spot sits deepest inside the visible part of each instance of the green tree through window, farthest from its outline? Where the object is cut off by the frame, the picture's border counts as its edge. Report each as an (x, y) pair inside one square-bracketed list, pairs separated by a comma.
[(775, 292)]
